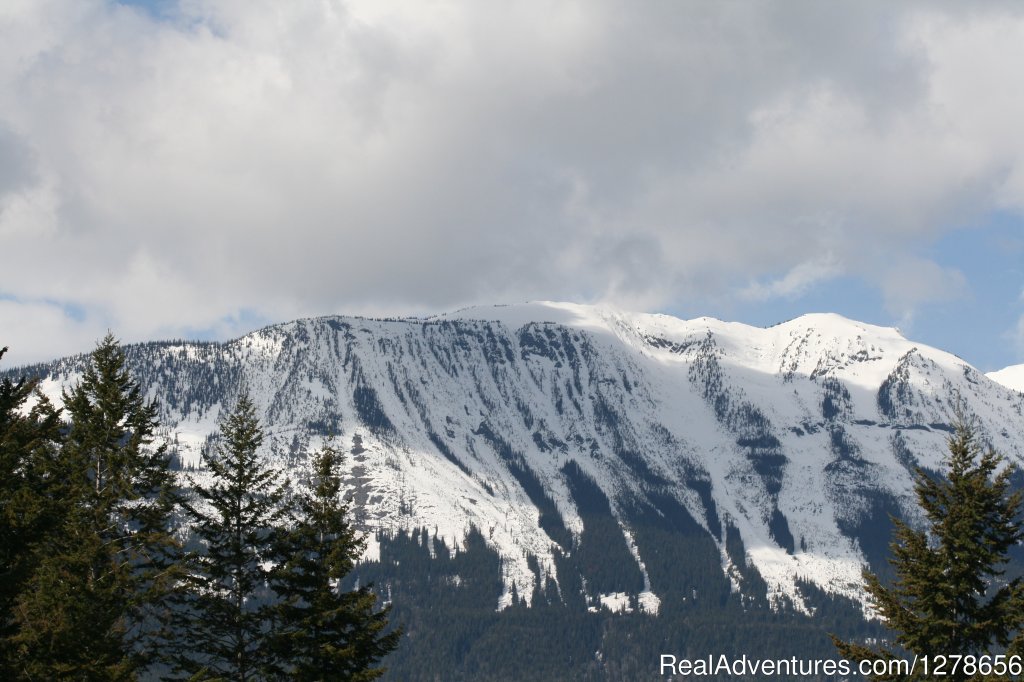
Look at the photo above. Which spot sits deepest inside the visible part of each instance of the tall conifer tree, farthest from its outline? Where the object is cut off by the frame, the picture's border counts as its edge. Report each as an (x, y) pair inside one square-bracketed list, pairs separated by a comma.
[(28, 503), (234, 514), (325, 633), (948, 595), (103, 574)]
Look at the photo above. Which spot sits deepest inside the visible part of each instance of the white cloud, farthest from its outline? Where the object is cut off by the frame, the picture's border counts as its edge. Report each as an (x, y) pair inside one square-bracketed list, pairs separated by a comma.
[(308, 157), (794, 283), (54, 332)]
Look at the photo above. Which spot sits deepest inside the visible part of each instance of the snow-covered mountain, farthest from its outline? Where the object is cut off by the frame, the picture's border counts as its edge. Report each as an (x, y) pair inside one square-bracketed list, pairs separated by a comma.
[(782, 449), (1011, 377)]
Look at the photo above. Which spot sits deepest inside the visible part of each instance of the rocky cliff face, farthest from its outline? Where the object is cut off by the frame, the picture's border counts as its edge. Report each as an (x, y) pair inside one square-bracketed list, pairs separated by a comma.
[(569, 431)]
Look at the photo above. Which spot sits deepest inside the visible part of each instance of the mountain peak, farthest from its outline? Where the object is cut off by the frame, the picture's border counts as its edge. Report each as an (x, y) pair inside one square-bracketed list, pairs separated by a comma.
[(841, 325)]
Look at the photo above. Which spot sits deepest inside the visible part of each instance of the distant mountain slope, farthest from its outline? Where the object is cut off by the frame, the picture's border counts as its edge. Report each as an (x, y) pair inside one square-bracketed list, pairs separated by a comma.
[(1011, 377), (580, 440)]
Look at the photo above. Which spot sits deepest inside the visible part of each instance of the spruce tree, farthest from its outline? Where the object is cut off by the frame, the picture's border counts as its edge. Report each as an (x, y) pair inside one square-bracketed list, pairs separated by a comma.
[(949, 595), (29, 437), (103, 574), (227, 618), (325, 633)]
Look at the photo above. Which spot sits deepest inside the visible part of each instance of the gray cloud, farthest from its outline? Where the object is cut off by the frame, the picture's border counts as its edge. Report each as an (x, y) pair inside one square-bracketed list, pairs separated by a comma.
[(911, 282), (308, 157), (17, 170)]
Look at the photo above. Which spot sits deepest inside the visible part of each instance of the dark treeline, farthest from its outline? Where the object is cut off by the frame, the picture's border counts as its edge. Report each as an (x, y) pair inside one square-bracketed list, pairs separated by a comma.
[(447, 601), (102, 578)]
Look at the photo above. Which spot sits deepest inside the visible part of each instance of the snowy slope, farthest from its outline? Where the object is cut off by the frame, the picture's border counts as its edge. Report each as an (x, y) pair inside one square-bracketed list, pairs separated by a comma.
[(800, 438), (1011, 377)]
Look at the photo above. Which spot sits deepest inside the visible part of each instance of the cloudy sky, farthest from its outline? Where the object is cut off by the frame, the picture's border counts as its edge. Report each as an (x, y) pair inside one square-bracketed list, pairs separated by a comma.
[(199, 168)]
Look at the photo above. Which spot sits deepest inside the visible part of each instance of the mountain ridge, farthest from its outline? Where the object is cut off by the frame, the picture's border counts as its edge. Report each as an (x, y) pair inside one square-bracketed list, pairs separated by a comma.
[(796, 441)]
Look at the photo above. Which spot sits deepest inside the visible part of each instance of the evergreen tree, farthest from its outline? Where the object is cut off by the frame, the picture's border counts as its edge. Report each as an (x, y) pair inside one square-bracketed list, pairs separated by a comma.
[(327, 634), (227, 618), (948, 595), (102, 576), (28, 507)]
